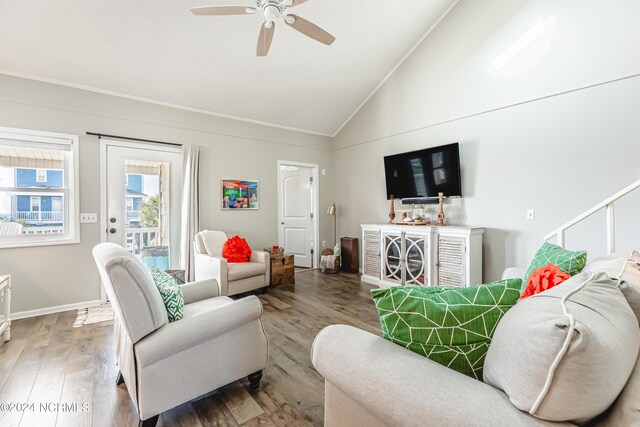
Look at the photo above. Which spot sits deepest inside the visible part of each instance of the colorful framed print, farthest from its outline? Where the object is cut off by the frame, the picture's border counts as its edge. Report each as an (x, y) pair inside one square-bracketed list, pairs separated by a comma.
[(239, 194)]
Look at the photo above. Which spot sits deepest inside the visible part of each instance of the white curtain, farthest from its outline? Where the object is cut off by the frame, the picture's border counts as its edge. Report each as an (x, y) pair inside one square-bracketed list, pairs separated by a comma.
[(190, 208)]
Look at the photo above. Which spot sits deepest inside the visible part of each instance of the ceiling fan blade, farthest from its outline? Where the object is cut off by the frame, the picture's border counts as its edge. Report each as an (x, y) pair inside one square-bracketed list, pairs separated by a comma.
[(264, 39), (222, 10), (297, 3), (309, 29)]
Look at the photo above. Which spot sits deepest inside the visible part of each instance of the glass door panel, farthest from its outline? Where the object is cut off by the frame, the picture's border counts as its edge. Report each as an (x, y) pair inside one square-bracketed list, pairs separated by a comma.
[(415, 260), (392, 258)]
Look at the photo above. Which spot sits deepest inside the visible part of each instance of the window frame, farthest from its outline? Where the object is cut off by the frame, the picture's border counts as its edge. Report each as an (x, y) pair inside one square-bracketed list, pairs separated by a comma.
[(44, 178), (70, 190)]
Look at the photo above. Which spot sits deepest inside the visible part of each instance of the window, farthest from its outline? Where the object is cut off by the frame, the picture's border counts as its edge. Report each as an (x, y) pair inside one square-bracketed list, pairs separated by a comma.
[(38, 187), (35, 203), (129, 202)]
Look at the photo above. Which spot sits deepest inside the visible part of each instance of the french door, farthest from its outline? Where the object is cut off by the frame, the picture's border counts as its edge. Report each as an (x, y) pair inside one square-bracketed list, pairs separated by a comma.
[(142, 199)]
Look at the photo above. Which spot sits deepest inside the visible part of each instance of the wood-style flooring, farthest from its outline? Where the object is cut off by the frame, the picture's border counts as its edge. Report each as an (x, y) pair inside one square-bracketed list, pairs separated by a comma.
[(66, 376)]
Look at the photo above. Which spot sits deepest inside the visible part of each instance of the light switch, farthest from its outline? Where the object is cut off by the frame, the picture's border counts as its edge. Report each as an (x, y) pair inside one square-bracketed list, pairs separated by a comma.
[(88, 218)]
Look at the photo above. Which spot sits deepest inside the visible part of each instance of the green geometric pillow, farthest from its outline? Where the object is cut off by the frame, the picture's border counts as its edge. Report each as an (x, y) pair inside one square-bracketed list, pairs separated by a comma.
[(171, 293), (569, 262), (451, 326)]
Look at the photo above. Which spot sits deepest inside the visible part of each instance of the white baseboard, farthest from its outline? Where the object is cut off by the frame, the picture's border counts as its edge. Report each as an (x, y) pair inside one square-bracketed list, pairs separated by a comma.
[(51, 310)]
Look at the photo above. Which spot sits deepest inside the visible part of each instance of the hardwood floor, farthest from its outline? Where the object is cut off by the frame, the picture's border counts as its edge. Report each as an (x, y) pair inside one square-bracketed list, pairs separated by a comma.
[(53, 366)]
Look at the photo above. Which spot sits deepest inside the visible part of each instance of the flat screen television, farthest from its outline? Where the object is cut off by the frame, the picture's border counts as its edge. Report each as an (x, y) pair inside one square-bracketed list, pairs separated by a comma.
[(425, 173)]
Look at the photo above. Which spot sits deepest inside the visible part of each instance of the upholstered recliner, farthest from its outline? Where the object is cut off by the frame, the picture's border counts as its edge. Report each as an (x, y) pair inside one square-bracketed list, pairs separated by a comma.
[(164, 364), (233, 278)]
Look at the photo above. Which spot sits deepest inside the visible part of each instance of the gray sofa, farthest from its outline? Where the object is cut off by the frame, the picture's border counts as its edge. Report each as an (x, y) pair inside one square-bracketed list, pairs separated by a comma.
[(372, 382), (164, 364)]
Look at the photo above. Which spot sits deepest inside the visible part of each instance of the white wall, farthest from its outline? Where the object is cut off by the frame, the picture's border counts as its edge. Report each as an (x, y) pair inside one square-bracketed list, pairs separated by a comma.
[(531, 140), (52, 276), (543, 139)]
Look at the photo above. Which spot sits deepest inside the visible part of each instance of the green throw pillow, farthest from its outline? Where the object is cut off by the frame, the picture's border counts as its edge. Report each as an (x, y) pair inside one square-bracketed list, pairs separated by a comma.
[(171, 293), (569, 262), (451, 326)]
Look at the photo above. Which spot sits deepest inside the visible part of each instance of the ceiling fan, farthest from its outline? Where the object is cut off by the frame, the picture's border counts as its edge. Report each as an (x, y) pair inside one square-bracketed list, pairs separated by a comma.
[(273, 11)]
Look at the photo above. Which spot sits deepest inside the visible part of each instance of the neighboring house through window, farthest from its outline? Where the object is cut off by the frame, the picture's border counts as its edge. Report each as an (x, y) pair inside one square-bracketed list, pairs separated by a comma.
[(38, 187)]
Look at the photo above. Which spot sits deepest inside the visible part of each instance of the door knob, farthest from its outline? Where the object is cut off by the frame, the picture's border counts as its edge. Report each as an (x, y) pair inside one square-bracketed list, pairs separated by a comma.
[(112, 220), (112, 230), (282, 223)]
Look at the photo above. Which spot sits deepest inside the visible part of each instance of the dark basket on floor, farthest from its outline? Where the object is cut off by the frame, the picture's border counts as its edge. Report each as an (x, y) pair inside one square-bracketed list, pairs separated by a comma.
[(330, 270)]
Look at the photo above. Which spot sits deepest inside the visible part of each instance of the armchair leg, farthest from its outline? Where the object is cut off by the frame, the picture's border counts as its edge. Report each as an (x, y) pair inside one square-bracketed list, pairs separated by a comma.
[(264, 290), (149, 422), (119, 378), (254, 380)]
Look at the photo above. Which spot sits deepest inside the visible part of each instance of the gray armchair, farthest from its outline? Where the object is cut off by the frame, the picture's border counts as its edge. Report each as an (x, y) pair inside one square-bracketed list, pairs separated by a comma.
[(233, 278), (164, 364)]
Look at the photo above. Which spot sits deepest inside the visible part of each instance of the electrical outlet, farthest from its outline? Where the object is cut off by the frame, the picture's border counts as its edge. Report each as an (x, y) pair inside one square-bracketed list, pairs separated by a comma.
[(531, 215), (88, 218), (324, 243)]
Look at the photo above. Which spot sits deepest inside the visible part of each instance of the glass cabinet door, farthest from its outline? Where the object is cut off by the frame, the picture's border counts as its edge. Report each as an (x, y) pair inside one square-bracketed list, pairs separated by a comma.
[(392, 258), (415, 260)]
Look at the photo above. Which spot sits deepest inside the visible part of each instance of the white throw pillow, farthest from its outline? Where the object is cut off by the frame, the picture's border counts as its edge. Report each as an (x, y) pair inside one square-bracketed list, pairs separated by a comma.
[(565, 354), (625, 267)]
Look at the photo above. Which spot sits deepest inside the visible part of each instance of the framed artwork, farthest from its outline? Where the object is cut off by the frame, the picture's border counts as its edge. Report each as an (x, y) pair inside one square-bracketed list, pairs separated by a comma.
[(238, 194)]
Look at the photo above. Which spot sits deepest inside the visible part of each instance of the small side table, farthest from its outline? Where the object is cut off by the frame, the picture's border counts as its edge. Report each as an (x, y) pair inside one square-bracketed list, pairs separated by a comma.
[(179, 275), (5, 296), (282, 270)]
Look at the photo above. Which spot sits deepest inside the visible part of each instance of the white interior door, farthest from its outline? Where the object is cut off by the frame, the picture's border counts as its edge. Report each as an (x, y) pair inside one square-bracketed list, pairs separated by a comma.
[(297, 199), (143, 199)]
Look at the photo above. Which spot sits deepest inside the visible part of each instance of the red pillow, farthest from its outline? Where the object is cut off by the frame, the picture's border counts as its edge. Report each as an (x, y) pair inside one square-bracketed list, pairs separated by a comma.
[(236, 249), (542, 279)]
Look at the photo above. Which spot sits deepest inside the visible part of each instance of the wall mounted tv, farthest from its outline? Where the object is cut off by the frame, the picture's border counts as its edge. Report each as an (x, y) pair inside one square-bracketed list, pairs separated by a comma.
[(418, 176)]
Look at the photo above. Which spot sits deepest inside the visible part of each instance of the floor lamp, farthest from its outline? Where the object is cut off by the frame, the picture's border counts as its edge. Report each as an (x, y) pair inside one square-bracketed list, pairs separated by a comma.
[(332, 211)]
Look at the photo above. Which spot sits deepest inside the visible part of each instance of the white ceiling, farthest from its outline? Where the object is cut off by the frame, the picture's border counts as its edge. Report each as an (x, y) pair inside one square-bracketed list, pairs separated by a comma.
[(157, 50)]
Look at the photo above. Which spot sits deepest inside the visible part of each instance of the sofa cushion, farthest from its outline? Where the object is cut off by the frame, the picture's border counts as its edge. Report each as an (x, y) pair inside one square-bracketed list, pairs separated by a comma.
[(170, 292), (451, 326), (622, 264), (626, 409), (625, 267), (570, 262), (243, 270), (566, 354), (212, 241)]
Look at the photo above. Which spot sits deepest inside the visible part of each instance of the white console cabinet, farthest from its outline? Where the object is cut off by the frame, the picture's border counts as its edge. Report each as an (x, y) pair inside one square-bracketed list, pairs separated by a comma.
[(421, 255)]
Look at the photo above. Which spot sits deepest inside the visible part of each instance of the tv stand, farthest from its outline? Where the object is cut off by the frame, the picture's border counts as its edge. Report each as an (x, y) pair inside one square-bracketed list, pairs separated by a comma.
[(423, 255)]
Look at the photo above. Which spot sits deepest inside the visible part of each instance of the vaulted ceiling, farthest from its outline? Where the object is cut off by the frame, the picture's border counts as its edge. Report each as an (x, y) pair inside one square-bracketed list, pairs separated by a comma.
[(159, 51)]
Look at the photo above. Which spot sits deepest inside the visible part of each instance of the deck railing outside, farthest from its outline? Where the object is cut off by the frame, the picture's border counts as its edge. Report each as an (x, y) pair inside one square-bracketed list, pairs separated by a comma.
[(140, 238), (38, 216)]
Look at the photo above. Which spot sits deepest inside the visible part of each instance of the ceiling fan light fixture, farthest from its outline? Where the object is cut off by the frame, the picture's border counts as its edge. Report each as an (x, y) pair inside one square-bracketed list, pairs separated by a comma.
[(271, 13)]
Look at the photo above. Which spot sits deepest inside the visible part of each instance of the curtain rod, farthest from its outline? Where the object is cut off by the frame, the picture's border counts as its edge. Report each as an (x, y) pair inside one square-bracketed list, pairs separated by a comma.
[(127, 138)]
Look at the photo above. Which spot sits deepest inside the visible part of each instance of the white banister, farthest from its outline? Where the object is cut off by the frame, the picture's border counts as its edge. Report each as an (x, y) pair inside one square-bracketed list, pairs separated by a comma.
[(607, 204), (611, 229)]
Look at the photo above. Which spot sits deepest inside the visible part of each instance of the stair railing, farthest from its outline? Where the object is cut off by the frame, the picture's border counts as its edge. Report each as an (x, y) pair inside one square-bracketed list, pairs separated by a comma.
[(608, 204)]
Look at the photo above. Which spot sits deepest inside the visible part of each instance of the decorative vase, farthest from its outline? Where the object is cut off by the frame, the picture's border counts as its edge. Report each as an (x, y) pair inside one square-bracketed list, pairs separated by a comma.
[(392, 212), (441, 209)]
